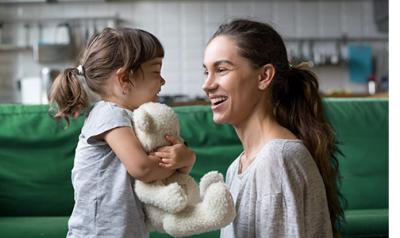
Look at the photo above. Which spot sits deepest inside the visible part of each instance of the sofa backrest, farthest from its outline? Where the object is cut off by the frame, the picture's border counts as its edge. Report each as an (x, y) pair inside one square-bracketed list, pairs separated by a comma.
[(36, 153), (362, 129), (36, 157)]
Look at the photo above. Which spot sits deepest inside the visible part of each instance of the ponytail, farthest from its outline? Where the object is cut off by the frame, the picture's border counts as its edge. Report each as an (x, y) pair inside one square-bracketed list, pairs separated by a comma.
[(68, 94), (297, 105)]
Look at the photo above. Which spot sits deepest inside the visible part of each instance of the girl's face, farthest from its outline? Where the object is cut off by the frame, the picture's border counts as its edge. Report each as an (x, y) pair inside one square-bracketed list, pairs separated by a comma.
[(231, 82), (147, 82)]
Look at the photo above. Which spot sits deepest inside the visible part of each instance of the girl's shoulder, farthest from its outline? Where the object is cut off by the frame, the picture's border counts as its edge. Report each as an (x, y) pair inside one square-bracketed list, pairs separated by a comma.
[(107, 111), (106, 115), (106, 107)]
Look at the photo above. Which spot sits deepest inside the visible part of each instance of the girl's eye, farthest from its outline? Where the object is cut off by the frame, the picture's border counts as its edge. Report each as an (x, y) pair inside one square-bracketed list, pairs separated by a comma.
[(205, 72)]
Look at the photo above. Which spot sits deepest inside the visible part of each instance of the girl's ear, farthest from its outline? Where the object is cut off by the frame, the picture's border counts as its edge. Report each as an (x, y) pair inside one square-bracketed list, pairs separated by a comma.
[(123, 81), (122, 77), (267, 73)]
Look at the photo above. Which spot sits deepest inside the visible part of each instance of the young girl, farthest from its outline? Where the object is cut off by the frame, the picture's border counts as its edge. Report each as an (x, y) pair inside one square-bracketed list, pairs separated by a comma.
[(123, 67), (284, 182)]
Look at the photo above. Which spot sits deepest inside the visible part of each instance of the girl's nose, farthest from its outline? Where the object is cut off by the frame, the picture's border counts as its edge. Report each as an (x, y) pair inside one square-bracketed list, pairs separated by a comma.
[(162, 81)]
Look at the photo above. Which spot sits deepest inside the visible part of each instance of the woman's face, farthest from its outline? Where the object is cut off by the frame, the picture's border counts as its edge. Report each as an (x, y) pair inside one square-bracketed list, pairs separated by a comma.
[(147, 82), (231, 82)]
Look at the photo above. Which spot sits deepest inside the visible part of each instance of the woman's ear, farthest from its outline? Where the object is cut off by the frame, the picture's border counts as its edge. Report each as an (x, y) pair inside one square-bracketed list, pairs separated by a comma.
[(267, 73)]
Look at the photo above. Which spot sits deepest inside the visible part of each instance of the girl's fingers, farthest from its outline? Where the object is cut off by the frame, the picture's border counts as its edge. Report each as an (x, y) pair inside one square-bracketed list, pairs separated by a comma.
[(155, 158), (163, 149), (166, 160), (174, 140), (161, 154), (163, 165)]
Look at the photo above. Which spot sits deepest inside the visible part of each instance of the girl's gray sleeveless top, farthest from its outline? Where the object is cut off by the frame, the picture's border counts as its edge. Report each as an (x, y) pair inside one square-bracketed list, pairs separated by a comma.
[(105, 202)]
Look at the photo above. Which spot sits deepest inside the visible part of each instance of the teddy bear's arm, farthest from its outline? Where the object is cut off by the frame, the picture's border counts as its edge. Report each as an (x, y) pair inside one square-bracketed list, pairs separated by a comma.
[(171, 197)]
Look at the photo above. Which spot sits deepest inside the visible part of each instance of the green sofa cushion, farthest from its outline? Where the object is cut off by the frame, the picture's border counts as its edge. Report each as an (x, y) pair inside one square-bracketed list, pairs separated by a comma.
[(366, 223), (36, 157), (33, 227), (362, 130)]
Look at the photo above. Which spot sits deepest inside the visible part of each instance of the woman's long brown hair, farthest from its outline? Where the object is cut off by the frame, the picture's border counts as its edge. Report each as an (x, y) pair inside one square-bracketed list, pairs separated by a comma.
[(295, 102)]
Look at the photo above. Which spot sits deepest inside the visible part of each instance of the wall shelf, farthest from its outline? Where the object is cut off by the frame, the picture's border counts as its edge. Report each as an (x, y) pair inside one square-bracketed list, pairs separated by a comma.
[(338, 39), (58, 19), (10, 47)]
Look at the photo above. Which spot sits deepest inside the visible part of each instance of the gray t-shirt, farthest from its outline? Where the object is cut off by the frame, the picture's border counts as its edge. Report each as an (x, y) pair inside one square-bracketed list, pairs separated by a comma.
[(281, 194), (105, 202)]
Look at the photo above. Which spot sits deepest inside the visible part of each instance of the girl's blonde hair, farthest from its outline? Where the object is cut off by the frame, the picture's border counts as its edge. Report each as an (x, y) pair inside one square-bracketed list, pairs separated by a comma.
[(105, 52)]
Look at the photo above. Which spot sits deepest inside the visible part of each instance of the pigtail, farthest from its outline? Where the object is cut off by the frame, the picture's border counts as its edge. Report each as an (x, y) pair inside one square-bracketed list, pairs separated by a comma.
[(68, 95), (298, 107)]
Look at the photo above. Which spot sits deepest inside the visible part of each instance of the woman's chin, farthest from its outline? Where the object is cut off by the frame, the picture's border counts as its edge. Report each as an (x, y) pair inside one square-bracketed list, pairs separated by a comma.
[(217, 118)]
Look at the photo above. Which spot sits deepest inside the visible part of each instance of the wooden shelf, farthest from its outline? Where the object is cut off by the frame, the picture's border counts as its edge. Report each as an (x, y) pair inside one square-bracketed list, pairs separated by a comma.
[(9, 47), (357, 95)]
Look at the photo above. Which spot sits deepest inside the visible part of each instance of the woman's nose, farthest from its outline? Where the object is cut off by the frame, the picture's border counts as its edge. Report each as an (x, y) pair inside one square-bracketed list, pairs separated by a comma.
[(162, 81), (209, 84)]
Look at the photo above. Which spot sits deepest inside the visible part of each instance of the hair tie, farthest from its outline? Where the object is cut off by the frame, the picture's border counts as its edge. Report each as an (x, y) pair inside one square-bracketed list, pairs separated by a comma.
[(81, 76), (80, 70)]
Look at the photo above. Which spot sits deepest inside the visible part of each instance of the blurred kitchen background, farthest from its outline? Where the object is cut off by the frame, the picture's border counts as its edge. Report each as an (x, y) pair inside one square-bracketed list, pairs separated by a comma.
[(346, 42)]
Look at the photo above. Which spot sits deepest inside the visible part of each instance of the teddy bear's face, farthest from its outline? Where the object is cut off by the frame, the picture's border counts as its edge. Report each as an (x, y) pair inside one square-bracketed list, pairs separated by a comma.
[(152, 121)]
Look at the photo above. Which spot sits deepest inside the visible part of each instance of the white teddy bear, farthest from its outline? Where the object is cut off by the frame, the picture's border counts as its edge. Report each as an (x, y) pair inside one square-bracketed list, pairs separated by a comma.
[(177, 205)]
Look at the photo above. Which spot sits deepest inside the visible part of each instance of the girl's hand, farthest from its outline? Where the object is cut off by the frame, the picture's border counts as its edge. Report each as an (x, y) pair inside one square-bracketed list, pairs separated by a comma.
[(177, 156)]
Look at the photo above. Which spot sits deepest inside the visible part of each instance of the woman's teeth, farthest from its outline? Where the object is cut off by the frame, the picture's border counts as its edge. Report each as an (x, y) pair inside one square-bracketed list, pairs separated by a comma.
[(218, 100)]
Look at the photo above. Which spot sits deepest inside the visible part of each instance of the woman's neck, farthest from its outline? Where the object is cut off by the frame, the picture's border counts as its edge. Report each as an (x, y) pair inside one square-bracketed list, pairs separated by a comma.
[(254, 132), (259, 128)]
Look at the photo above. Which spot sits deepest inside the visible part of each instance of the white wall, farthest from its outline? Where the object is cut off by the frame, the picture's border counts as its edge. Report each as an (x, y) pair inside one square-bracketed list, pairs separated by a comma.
[(185, 26)]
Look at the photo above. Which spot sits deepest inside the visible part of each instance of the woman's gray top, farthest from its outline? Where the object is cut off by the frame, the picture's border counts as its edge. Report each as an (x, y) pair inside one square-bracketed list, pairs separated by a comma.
[(281, 194), (105, 202)]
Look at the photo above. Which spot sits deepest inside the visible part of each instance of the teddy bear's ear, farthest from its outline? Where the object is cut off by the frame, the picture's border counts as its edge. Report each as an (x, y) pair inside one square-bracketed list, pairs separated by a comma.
[(144, 121)]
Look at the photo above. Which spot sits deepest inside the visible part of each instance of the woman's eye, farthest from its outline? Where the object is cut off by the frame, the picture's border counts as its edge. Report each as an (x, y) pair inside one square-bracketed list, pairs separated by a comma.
[(220, 70)]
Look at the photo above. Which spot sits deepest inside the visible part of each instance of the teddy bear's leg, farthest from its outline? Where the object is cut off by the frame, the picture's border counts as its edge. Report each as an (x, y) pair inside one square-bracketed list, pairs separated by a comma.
[(154, 218), (171, 197), (208, 179), (188, 184), (214, 212)]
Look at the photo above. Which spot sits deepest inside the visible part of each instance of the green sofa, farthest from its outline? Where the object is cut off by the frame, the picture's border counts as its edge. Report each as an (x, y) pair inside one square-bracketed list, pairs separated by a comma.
[(36, 157)]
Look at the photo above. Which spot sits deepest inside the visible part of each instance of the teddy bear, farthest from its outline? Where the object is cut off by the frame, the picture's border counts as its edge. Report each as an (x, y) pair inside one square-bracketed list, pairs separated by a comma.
[(178, 205)]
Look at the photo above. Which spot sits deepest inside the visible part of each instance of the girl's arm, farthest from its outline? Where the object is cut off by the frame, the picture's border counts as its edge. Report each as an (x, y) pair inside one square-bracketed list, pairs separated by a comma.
[(177, 156), (126, 146)]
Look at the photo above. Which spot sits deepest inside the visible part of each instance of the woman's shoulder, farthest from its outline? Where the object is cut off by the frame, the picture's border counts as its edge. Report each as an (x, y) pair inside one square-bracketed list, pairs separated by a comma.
[(291, 155), (279, 152), (285, 147)]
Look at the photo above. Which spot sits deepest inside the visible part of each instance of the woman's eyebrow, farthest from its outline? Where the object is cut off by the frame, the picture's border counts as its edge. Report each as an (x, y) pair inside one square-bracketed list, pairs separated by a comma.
[(219, 62)]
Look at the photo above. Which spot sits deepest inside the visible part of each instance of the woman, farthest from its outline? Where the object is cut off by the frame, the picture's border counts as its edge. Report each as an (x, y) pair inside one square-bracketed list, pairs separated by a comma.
[(284, 181)]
